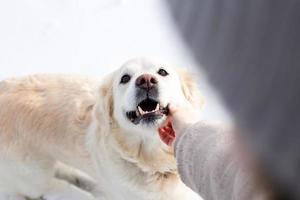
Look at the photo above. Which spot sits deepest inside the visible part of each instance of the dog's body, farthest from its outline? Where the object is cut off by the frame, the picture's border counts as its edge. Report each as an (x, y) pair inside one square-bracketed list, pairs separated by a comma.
[(88, 124)]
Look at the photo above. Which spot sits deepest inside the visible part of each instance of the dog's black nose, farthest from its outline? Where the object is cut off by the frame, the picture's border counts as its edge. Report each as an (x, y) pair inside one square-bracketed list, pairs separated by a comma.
[(146, 81)]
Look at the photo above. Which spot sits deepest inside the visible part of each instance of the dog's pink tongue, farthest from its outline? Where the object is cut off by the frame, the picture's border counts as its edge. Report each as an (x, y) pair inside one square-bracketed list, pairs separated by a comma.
[(167, 133)]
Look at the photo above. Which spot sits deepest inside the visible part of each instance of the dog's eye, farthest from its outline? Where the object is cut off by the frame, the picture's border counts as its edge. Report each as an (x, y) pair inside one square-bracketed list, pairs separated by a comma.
[(162, 72), (125, 79)]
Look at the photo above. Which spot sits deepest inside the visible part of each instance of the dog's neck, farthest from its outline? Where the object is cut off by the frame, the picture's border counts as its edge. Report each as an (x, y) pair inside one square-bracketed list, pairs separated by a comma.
[(148, 153)]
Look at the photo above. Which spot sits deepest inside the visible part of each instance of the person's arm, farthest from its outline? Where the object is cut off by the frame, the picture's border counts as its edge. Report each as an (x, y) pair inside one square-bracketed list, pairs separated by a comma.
[(250, 52), (209, 162)]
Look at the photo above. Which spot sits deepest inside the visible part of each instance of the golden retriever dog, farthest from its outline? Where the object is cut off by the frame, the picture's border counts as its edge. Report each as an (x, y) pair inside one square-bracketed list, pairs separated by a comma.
[(106, 128)]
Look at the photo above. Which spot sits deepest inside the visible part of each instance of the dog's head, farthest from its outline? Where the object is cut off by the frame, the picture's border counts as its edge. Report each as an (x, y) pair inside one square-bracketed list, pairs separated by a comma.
[(141, 91)]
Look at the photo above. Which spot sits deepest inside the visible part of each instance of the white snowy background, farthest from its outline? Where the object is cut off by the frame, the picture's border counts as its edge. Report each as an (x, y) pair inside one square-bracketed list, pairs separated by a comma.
[(91, 37)]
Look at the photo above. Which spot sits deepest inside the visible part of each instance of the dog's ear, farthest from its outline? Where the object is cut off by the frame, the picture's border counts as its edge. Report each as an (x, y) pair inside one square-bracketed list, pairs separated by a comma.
[(190, 89), (102, 113), (104, 105), (106, 95)]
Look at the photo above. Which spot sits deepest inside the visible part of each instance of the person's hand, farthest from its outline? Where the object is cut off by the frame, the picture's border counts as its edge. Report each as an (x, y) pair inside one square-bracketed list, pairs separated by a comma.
[(180, 117)]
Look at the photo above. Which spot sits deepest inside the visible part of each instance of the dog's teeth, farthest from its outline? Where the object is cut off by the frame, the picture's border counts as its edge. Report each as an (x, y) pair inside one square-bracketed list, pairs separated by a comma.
[(141, 110), (157, 108)]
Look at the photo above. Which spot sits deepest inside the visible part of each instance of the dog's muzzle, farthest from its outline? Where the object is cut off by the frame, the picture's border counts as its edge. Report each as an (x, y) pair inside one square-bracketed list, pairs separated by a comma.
[(148, 108), (146, 87)]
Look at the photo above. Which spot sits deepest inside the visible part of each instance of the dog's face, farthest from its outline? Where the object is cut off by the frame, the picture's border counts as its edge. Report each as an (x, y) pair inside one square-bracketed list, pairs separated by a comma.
[(142, 91)]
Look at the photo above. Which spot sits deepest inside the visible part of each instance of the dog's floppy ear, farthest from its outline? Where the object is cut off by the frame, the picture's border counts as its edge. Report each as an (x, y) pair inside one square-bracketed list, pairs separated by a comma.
[(190, 89), (106, 95), (104, 105), (102, 114)]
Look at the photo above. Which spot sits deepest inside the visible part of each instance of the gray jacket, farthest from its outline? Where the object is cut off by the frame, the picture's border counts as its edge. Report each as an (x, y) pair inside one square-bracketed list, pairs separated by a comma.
[(211, 163)]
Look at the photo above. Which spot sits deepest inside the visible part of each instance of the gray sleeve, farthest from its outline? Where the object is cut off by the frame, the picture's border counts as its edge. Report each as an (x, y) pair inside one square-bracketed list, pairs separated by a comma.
[(208, 164), (250, 51)]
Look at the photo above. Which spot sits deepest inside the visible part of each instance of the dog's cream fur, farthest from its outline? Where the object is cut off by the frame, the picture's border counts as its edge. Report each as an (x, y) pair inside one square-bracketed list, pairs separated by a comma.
[(46, 119)]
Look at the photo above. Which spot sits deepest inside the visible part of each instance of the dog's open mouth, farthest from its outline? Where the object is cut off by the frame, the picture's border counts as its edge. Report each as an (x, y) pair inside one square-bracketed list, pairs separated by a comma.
[(147, 110)]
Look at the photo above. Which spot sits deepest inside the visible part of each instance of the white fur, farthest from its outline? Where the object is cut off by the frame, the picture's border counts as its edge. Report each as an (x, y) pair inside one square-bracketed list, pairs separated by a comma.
[(50, 119)]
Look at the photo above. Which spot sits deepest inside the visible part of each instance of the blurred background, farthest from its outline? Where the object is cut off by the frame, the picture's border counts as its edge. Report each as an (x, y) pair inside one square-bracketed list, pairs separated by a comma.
[(92, 37)]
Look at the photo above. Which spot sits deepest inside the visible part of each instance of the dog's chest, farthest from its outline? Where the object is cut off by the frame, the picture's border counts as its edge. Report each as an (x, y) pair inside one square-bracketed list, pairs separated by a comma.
[(121, 181)]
